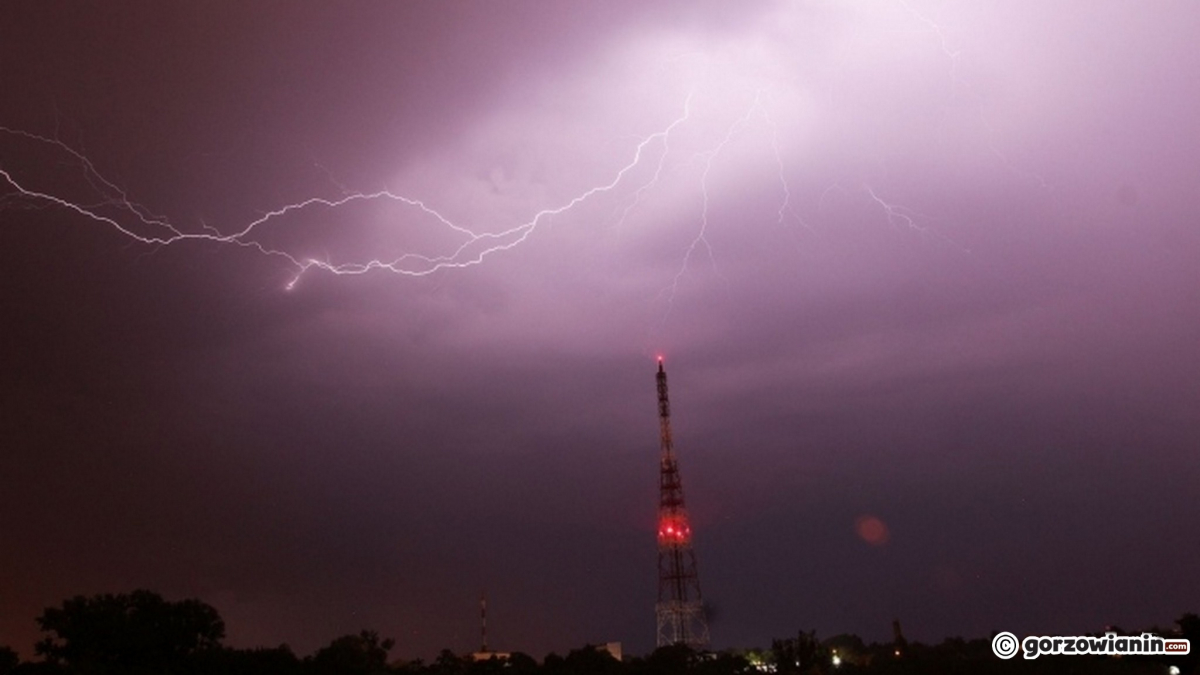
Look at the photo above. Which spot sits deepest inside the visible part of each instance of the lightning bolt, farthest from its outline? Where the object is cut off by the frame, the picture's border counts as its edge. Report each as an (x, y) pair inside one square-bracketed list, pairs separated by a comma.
[(896, 214), (658, 167), (707, 159), (943, 42), (475, 247), (785, 206), (115, 209), (903, 216), (990, 132), (650, 155)]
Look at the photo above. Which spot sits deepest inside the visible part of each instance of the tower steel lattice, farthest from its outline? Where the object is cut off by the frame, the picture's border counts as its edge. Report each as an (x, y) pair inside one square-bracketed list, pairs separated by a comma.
[(680, 608)]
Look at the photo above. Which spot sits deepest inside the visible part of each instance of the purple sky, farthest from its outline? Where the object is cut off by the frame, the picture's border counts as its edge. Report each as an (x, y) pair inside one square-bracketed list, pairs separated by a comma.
[(928, 262)]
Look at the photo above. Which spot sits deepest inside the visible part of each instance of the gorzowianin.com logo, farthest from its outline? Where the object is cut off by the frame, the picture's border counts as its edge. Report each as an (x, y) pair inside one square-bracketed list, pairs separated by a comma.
[(1006, 645)]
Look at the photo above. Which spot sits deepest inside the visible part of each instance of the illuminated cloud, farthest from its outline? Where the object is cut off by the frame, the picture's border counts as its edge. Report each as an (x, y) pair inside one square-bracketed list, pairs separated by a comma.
[(934, 258)]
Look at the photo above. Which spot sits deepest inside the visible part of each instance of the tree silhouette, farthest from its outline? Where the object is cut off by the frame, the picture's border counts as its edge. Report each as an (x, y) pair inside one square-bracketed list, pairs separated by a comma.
[(1189, 628), (670, 660), (520, 663), (723, 663), (258, 661), (448, 663), (590, 660), (362, 654), (8, 660), (800, 655), (135, 633)]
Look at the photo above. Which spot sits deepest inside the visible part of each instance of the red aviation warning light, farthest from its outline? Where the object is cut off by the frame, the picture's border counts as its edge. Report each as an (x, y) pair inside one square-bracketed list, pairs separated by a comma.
[(674, 530)]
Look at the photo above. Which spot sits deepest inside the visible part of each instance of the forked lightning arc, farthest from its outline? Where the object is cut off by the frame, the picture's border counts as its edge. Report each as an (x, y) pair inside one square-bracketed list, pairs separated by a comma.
[(629, 180)]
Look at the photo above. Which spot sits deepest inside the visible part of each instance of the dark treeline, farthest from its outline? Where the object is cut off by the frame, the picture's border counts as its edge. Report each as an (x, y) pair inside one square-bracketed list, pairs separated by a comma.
[(142, 634)]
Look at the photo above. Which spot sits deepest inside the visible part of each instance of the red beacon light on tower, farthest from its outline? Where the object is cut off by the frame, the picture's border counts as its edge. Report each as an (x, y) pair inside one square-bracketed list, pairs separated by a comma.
[(674, 531)]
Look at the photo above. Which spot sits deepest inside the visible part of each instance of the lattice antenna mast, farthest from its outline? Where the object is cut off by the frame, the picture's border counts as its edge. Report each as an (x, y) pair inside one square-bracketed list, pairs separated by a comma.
[(483, 621), (680, 608)]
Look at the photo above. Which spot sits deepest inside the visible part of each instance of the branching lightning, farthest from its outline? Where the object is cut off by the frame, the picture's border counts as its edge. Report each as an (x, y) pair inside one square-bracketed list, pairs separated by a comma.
[(642, 169), (707, 158), (943, 42), (115, 209), (474, 248), (954, 56), (896, 215)]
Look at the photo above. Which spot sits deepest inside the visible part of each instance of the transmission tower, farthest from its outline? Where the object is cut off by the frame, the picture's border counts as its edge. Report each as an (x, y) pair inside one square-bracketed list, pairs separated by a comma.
[(680, 609)]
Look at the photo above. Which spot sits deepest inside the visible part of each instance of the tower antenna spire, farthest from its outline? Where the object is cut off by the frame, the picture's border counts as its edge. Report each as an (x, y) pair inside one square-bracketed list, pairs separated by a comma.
[(680, 607), (483, 621)]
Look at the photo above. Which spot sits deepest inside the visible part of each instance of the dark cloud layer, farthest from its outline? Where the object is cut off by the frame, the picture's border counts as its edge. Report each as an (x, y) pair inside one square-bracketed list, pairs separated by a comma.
[(946, 280)]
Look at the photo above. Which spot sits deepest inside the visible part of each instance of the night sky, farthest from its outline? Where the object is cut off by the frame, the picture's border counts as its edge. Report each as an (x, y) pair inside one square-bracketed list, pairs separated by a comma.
[(928, 263)]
